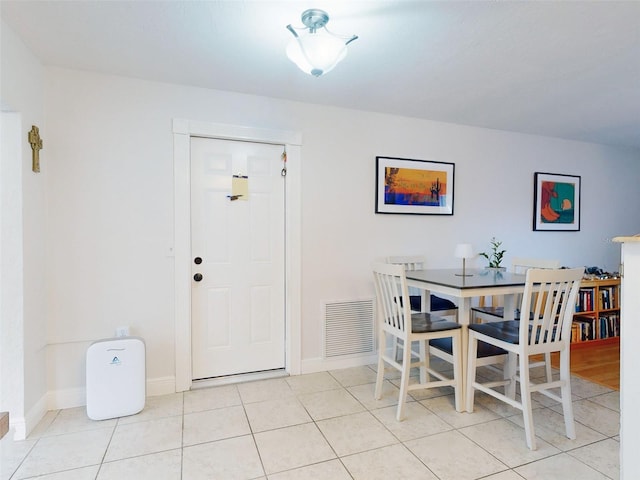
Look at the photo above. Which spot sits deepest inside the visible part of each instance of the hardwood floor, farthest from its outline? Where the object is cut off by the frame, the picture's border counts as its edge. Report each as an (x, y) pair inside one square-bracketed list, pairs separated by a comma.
[(598, 363)]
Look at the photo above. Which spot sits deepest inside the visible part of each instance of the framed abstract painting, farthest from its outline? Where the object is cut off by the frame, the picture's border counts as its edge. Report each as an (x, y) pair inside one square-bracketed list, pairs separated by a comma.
[(417, 187), (556, 202)]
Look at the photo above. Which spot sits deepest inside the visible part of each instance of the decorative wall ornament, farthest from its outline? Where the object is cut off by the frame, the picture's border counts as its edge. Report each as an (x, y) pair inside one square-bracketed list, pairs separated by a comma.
[(36, 145)]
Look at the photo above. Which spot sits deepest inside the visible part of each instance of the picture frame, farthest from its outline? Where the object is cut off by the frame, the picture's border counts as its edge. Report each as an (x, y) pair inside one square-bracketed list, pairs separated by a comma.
[(414, 187), (556, 202)]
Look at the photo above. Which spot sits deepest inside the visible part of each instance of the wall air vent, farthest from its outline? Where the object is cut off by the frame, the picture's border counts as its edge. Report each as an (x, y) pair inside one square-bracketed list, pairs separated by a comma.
[(349, 328)]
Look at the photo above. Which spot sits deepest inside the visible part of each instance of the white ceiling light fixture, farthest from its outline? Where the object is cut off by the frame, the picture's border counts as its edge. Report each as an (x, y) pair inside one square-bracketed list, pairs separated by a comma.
[(317, 51)]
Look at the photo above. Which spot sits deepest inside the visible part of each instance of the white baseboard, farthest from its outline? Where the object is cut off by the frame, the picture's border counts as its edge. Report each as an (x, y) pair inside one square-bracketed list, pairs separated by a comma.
[(313, 365), (77, 397), (161, 386), (22, 426)]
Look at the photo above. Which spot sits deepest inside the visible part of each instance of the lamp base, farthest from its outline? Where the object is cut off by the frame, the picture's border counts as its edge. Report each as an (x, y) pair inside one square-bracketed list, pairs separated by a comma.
[(464, 270)]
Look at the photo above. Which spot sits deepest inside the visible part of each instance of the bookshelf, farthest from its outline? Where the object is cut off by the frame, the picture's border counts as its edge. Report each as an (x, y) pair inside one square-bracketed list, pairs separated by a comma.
[(597, 316)]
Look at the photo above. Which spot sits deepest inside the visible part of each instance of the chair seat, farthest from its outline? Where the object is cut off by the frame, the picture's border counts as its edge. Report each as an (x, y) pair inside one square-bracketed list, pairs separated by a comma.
[(484, 349), (507, 331), (437, 303), (426, 323)]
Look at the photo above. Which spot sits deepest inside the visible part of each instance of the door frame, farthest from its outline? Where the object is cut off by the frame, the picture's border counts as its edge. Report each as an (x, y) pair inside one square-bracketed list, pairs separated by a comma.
[(183, 130)]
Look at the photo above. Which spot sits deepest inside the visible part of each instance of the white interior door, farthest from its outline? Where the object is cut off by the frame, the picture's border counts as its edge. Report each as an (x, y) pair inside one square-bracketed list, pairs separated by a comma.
[(238, 261)]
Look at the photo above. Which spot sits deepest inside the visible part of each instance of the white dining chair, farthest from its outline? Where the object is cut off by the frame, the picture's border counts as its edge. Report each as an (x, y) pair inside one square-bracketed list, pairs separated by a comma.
[(495, 311), (396, 320), (550, 294), (443, 306)]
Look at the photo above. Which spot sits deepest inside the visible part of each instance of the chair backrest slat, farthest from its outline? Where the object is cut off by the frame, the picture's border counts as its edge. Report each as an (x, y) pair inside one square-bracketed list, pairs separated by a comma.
[(550, 295), (391, 287), (410, 262)]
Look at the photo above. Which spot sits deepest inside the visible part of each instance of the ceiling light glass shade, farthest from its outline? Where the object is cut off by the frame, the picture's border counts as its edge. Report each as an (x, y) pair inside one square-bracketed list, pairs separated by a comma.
[(316, 54), (316, 51)]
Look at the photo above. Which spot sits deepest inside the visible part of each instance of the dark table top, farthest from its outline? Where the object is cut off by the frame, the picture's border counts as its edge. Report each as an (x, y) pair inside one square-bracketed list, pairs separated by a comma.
[(479, 278)]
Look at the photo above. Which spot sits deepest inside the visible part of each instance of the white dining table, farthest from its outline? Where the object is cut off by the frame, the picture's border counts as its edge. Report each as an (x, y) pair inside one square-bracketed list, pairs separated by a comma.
[(476, 283)]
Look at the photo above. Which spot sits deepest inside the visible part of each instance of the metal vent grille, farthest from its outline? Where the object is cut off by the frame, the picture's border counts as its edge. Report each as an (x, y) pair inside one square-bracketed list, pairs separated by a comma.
[(348, 328)]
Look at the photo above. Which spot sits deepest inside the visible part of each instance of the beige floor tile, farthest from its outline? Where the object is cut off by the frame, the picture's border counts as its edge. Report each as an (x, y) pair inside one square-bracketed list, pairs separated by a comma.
[(157, 466), (366, 395), (594, 416), (418, 421), (349, 377), (268, 415), (75, 420), (549, 425), (561, 467), (312, 382), (262, 390), (330, 403), (444, 407), (65, 452), (506, 441), (156, 407), (395, 461), (331, 470), (610, 400), (211, 425), (142, 438), (211, 398), (355, 433), (292, 447), (232, 458), (584, 389), (12, 454), (506, 475), (452, 456), (84, 473), (267, 427), (603, 456)]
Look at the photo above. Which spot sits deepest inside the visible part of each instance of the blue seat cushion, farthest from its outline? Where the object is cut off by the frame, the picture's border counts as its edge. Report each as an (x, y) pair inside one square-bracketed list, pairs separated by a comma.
[(425, 323), (484, 349), (437, 303), (507, 331)]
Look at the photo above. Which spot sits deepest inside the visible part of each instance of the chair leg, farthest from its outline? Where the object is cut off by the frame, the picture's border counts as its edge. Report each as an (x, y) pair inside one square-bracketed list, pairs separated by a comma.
[(456, 344), (525, 394), (547, 366), (565, 390), (397, 347), (510, 368), (380, 374), (471, 370), (404, 381), (424, 360)]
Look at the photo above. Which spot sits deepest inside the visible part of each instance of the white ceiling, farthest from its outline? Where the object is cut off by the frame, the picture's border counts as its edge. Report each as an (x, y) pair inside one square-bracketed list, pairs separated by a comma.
[(563, 69)]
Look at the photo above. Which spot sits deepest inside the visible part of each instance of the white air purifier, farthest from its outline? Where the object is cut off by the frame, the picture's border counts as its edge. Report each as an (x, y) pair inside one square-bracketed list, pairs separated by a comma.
[(116, 378)]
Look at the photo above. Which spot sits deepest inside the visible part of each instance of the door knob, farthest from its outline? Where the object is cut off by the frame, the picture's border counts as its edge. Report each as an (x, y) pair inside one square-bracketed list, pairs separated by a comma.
[(197, 260), (197, 277)]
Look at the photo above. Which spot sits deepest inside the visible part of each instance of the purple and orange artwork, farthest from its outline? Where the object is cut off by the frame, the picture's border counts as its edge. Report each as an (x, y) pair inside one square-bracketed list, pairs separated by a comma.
[(408, 186)]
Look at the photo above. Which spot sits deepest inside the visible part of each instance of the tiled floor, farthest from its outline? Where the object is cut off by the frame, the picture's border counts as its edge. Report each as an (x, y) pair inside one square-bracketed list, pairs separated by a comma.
[(321, 426)]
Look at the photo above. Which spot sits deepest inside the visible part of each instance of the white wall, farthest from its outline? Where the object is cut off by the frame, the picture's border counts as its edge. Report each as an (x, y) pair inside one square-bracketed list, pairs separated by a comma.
[(110, 197), (22, 91), (108, 169)]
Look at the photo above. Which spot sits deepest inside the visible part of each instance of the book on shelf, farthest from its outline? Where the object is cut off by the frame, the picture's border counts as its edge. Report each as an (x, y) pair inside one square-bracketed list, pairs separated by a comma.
[(584, 302), (587, 327)]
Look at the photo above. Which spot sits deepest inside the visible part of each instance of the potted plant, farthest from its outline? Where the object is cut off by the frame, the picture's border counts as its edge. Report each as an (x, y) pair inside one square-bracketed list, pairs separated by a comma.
[(494, 255)]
